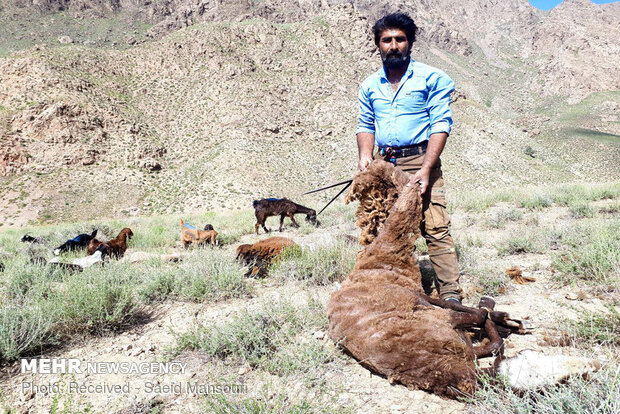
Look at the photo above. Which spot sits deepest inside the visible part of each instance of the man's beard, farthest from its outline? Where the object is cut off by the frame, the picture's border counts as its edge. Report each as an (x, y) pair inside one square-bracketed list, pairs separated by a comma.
[(396, 60)]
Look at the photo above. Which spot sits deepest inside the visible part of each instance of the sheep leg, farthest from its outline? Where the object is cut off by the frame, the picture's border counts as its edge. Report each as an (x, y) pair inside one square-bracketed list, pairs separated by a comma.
[(464, 321), (256, 226), (505, 323), (282, 220), (446, 304), (292, 217), (494, 347)]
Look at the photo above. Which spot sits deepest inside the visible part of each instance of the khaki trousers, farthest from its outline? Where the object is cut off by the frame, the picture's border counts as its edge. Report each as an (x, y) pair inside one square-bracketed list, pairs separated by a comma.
[(435, 227)]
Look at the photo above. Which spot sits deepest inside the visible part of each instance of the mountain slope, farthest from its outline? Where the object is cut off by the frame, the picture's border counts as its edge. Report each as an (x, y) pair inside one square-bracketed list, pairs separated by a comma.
[(219, 113)]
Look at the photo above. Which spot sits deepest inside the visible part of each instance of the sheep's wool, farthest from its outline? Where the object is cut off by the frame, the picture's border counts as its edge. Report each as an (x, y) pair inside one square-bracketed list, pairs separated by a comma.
[(532, 369)]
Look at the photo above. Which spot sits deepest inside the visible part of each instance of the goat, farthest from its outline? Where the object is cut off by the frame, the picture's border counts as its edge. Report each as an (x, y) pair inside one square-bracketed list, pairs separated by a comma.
[(381, 315), (78, 242), (262, 253), (190, 235), (27, 238), (116, 247), (282, 207)]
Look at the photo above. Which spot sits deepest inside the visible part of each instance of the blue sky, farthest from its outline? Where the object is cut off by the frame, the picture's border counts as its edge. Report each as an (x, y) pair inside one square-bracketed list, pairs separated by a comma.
[(549, 4)]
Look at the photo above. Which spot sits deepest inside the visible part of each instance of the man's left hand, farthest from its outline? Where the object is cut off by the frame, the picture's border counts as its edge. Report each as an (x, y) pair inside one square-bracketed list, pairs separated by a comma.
[(422, 177)]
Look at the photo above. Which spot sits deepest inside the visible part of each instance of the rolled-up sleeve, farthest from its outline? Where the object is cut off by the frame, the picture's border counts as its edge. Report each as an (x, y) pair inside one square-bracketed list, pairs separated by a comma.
[(366, 117), (438, 105)]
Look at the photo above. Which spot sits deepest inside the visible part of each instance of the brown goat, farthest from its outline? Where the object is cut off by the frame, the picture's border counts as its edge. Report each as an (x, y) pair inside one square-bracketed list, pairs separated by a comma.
[(191, 235), (262, 253), (114, 248), (283, 207), (381, 315)]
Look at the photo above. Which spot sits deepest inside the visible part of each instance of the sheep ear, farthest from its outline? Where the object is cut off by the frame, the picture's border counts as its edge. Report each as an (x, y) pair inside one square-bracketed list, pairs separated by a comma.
[(93, 234)]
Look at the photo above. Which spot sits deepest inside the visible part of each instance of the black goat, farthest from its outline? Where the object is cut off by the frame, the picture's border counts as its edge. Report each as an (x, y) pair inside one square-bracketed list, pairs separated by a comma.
[(27, 238), (78, 242), (282, 207)]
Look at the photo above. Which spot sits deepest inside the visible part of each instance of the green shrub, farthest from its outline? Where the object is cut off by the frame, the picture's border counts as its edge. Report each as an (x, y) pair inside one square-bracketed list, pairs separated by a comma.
[(519, 243), (537, 202), (204, 275), (322, 266), (581, 210), (502, 216), (600, 328), (492, 283), (278, 404), (24, 330), (590, 252), (257, 336), (95, 302)]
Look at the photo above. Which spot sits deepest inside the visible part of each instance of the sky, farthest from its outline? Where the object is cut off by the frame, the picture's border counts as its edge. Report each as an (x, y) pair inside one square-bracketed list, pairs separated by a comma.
[(549, 4)]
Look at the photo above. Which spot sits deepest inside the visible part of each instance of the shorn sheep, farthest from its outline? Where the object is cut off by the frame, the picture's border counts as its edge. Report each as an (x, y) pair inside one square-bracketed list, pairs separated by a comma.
[(283, 207), (381, 315), (114, 248)]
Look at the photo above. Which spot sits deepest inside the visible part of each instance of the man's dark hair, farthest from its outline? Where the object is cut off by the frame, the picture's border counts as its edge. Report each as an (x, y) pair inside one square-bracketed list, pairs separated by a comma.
[(400, 21)]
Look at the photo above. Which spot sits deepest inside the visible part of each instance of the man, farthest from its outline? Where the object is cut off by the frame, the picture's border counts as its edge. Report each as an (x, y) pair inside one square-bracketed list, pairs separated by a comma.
[(405, 111)]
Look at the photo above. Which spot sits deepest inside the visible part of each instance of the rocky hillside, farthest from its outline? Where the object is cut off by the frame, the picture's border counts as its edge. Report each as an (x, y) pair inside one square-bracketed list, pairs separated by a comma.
[(130, 107)]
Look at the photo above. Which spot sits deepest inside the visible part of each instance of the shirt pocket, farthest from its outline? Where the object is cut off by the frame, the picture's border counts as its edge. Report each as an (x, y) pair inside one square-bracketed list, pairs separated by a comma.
[(413, 100)]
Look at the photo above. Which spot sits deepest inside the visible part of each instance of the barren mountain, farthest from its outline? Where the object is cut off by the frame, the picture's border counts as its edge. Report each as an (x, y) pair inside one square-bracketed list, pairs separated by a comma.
[(113, 108)]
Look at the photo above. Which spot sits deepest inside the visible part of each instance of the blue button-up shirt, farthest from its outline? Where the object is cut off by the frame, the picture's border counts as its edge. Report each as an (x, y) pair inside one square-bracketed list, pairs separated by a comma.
[(420, 107)]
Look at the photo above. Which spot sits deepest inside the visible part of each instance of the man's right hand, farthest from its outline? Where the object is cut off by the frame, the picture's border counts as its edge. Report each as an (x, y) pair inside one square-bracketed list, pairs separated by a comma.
[(365, 145), (363, 163)]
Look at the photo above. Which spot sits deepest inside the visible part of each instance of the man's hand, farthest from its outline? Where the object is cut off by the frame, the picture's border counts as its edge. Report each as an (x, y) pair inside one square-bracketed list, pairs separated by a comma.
[(365, 144), (422, 177), (363, 163)]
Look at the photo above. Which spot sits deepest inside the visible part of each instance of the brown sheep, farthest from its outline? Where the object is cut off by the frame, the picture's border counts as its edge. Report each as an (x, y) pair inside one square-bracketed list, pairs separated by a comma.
[(262, 253), (190, 235), (114, 248), (381, 315)]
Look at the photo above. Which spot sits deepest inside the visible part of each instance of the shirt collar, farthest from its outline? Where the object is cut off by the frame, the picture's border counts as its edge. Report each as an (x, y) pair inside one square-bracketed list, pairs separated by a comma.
[(408, 73)]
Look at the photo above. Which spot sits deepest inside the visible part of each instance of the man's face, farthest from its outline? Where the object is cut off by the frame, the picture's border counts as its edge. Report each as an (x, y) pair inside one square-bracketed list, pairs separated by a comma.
[(394, 48)]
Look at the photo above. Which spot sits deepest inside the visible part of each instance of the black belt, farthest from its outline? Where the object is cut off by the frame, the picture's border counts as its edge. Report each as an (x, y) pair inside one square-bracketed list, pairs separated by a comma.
[(391, 153)]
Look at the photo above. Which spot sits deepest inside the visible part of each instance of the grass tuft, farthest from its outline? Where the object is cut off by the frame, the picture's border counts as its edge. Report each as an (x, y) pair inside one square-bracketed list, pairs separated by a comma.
[(321, 266)]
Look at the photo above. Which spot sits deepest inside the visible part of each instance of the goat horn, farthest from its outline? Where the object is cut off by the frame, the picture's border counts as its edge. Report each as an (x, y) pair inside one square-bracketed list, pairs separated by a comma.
[(329, 186), (337, 195)]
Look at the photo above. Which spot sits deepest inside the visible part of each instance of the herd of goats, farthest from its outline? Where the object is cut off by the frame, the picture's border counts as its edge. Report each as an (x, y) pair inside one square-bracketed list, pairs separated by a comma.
[(259, 254), (380, 314)]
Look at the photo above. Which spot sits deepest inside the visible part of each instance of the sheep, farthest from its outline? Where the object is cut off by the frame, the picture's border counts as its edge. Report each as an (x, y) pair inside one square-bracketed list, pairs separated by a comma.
[(190, 235), (262, 253), (78, 242), (283, 207), (96, 257), (116, 247), (381, 315)]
